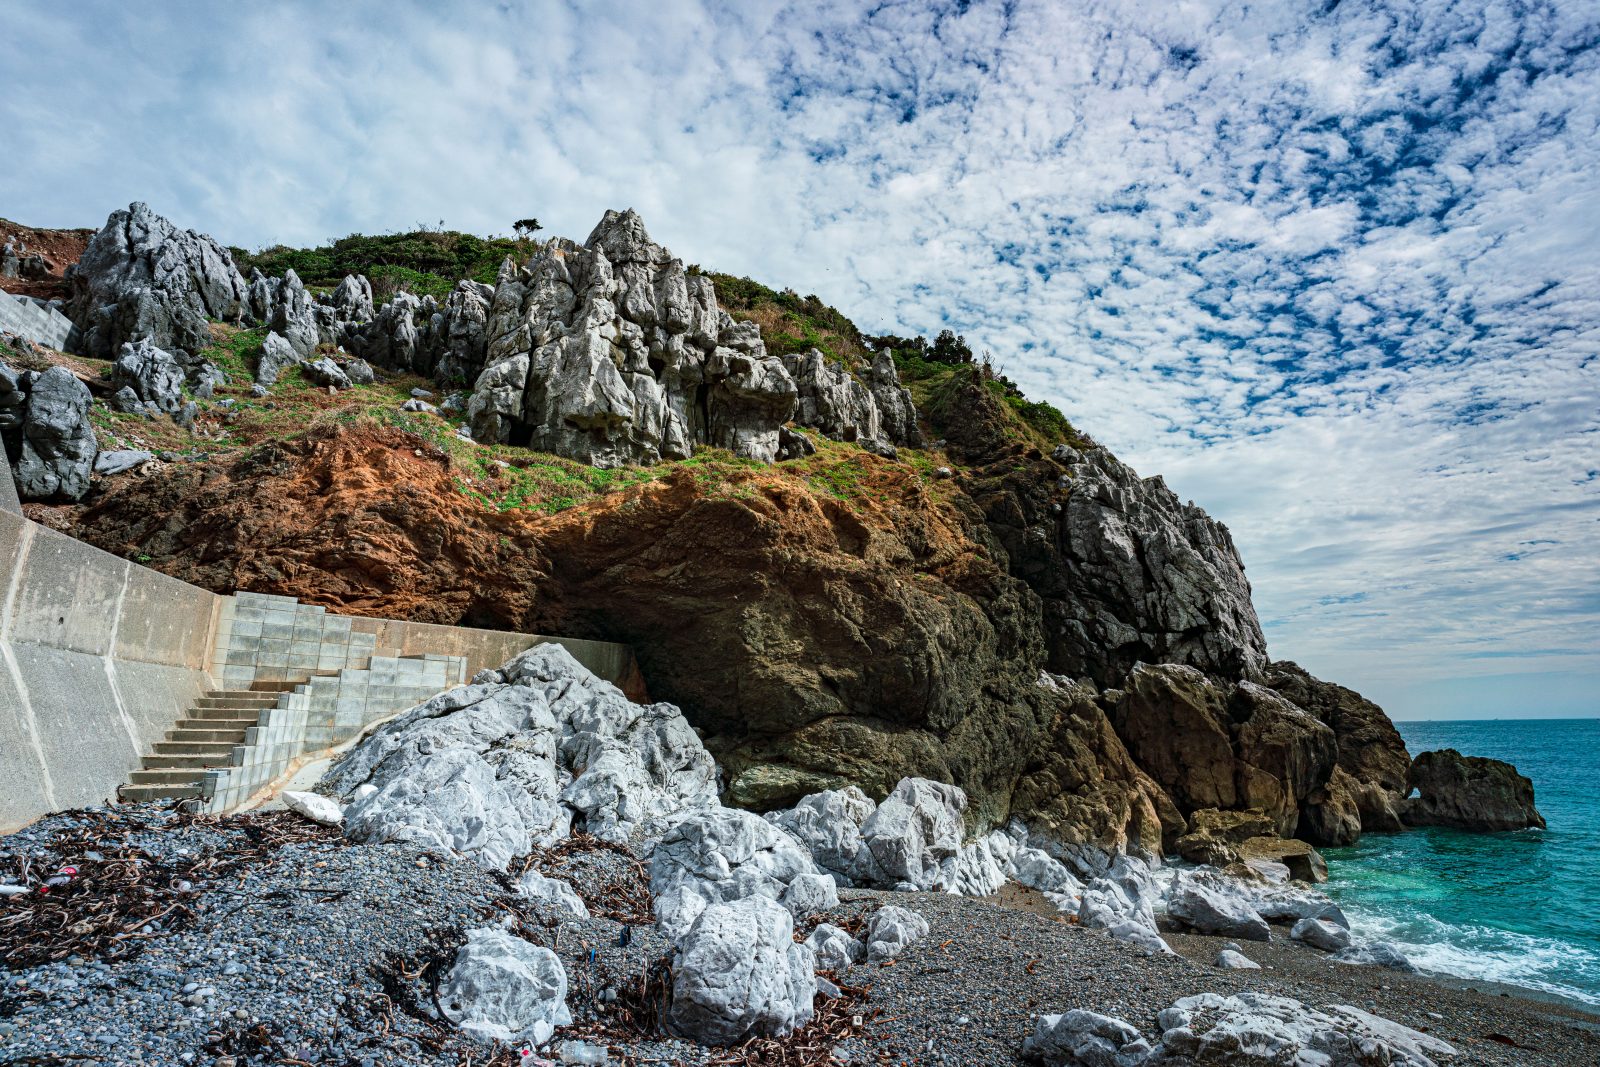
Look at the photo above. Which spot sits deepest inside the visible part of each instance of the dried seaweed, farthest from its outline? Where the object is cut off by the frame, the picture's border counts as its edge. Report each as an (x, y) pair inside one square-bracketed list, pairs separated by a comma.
[(613, 891)]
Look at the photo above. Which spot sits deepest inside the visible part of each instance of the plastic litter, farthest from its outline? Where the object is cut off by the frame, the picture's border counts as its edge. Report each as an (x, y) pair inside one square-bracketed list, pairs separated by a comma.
[(60, 879), (583, 1052)]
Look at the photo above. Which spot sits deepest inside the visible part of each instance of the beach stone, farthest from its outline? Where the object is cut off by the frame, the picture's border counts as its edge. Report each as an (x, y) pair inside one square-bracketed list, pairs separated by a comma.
[(1375, 954), (835, 949), (314, 806), (891, 930), (1261, 1030), (501, 988), (1231, 959), (552, 895), (910, 835), (1087, 1038), (810, 893), (720, 855), (1319, 933), (738, 972), (1213, 906)]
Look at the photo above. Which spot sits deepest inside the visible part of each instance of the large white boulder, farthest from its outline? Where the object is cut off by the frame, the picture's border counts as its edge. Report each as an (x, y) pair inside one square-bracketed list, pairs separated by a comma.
[(519, 757), (911, 834), (1320, 933), (829, 824), (1216, 906), (1122, 903), (891, 930), (1080, 1037), (1260, 1030), (739, 973), (501, 988), (723, 854)]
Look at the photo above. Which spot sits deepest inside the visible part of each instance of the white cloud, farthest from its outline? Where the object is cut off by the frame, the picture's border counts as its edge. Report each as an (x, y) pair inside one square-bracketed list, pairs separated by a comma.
[(1332, 273)]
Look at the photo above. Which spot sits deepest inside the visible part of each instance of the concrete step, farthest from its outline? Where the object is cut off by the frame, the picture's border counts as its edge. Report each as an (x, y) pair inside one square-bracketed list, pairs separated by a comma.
[(239, 725), (251, 712), (239, 700), (201, 737), (196, 762), (140, 793), (222, 749), (180, 776)]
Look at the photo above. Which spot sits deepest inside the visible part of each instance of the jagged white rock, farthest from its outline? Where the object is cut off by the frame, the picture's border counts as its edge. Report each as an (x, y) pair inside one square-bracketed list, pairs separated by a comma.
[(1319, 933), (501, 988), (491, 769), (1214, 906), (552, 895), (738, 972), (891, 930), (835, 949), (1122, 903), (828, 824), (1260, 1030), (723, 854), (1086, 1038), (319, 809), (911, 834)]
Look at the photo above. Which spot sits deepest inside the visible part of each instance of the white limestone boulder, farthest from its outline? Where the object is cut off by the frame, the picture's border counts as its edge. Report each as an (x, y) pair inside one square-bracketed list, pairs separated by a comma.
[(501, 988), (1085, 1038), (1216, 906), (739, 973), (891, 930), (322, 810), (829, 824), (911, 834), (1320, 933), (1260, 1030), (835, 949)]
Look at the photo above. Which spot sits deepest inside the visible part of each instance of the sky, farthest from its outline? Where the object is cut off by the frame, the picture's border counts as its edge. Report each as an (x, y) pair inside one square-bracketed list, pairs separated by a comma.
[(1333, 269)]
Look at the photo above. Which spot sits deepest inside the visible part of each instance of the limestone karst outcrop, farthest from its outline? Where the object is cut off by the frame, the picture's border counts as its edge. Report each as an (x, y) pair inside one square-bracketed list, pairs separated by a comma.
[(142, 278), (1469, 793), (49, 442)]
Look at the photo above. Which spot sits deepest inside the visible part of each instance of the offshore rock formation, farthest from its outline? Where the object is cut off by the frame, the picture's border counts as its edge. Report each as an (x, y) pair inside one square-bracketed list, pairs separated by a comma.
[(1469, 793), (143, 278), (608, 352)]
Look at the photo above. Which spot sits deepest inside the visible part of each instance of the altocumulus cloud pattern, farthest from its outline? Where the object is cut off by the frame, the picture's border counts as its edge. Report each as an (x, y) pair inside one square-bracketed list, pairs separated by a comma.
[(1331, 269)]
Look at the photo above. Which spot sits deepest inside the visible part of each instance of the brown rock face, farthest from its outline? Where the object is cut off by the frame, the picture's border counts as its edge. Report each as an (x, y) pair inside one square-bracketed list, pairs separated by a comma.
[(1469, 793), (1370, 752)]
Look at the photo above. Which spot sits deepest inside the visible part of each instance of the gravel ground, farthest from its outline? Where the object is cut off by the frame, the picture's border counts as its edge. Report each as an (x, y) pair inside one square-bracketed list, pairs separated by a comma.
[(292, 947)]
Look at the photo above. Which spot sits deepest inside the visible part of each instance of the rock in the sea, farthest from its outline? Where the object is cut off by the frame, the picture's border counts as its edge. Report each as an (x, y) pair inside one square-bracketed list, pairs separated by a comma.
[(609, 352), (56, 443), (1085, 1038), (1260, 1030), (891, 930), (501, 988), (835, 949), (718, 855), (322, 810), (554, 897), (1469, 793), (1214, 906), (154, 376), (143, 278), (1375, 954), (1320, 933), (276, 355), (491, 769), (739, 973), (910, 835)]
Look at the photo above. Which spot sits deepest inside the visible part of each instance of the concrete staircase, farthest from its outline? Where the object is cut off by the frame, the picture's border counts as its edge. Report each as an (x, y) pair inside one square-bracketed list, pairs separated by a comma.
[(219, 722)]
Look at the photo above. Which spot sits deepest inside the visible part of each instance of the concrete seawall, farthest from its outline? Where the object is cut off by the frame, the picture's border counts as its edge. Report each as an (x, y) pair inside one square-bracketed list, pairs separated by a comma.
[(8, 491), (100, 658)]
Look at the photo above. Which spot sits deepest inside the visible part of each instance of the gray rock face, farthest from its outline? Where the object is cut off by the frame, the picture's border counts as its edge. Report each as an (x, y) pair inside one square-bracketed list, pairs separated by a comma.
[(55, 445), (828, 824), (610, 353), (491, 769), (392, 337), (458, 340), (1150, 579), (352, 299), (294, 317), (277, 354), (1469, 793), (261, 295), (325, 371), (738, 973), (897, 414), (155, 377), (834, 401), (501, 988), (142, 277), (121, 461), (719, 855)]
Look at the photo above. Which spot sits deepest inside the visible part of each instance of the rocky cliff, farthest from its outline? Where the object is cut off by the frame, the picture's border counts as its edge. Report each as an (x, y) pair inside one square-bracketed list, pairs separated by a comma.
[(917, 592)]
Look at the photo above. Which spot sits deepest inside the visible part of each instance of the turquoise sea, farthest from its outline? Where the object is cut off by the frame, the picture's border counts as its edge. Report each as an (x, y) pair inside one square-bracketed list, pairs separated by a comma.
[(1521, 908)]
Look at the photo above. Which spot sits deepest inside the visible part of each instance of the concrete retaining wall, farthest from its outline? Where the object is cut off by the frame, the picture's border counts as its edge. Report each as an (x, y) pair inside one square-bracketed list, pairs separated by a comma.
[(38, 322), (99, 658), (8, 488)]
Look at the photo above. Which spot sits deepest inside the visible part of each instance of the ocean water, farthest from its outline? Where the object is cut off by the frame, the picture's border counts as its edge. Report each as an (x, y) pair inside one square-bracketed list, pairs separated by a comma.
[(1521, 908)]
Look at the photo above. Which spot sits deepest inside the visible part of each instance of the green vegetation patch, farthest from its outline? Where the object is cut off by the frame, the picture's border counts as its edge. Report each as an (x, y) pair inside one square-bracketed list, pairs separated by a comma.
[(790, 322), (425, 261)]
